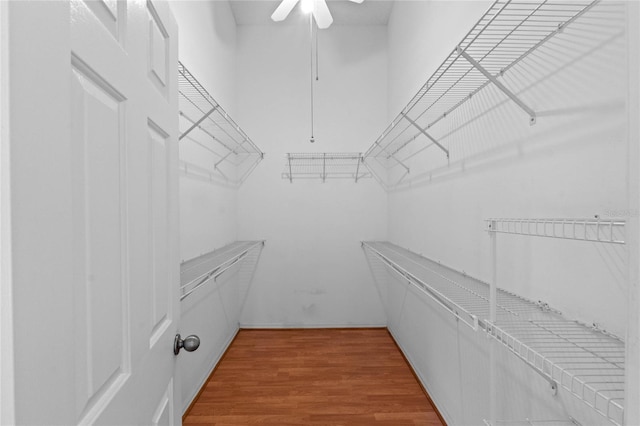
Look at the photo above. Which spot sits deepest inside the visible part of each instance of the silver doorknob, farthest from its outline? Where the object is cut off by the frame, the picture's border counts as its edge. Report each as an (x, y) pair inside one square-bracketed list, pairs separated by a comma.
[(190, 343)]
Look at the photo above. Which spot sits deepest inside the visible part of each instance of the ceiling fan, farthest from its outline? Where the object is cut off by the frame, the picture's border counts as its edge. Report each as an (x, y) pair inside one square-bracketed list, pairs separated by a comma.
[(318, 8)]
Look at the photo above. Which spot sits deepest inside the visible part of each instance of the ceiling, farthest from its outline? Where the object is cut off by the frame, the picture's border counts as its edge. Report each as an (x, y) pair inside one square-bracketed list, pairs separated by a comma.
[(344, 12)]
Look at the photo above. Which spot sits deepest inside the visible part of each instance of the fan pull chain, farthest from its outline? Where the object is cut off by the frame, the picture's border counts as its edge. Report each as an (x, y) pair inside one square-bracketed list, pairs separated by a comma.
[(312, 140)]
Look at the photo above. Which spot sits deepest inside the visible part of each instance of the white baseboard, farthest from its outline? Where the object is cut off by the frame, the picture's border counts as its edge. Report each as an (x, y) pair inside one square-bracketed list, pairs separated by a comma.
[(301, 325)]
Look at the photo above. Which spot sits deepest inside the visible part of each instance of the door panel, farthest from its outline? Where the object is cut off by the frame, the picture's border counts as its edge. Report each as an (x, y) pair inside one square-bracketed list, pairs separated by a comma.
[(100, 278), (94, 166), (159, 46), (161, 295)]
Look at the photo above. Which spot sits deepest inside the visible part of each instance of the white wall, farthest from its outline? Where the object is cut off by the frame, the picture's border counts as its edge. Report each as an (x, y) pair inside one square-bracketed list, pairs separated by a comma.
[(312, 272), (208, 218), (572, 163), (208, 210), (421, 35)]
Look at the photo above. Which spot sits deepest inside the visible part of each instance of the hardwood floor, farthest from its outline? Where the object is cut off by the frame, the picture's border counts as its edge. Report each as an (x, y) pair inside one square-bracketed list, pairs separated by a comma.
[(313, 377)]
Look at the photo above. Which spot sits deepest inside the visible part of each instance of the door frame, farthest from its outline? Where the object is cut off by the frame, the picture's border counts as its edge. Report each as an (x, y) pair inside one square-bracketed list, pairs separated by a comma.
[(632, 339), (6, 310)]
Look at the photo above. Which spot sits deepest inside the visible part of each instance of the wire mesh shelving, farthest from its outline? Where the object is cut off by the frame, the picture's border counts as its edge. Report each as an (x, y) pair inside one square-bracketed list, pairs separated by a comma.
[(583, 360), (205, 123), (325, 165), (595, 230), (206, 268), (586, 362), (508, 32)]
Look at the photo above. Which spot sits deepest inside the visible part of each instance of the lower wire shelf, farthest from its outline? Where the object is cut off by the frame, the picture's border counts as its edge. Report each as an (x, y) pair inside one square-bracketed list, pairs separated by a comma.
[(197, 272), (586, 362)]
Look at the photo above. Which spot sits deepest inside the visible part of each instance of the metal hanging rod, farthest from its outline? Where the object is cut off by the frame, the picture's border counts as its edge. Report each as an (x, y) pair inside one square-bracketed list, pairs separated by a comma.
[(507, 33), (197, 272), (325, 165), (596, 230)]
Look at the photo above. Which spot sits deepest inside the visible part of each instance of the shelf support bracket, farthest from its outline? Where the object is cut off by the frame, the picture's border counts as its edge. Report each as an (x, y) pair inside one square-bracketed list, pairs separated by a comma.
[(358, 167), (446, 151), (197, 123), (498, 84), (324, 167), (290, 173)]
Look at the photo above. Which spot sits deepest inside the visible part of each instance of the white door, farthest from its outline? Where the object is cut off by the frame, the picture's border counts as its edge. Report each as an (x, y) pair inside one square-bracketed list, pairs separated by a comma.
[(94, 266)]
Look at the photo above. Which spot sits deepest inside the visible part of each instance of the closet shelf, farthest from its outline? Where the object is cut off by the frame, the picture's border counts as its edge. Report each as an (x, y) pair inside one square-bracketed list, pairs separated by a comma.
[(582, 360), (208, 267), (464, 296), (596, 230), (204, 122), (585, 362), (325, 165), (507, 33)]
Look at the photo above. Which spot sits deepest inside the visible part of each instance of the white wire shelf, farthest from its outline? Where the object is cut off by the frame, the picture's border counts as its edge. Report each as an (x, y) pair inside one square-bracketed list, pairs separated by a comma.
[(585, 362), (325, 165), (596, 230), (465, 295), (582, 360), (508, 32), (205, 123), (197, 272)]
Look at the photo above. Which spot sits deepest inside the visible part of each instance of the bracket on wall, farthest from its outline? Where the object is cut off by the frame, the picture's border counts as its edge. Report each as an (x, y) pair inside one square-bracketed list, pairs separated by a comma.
[(424, 132), (532, 115), (197, 123)]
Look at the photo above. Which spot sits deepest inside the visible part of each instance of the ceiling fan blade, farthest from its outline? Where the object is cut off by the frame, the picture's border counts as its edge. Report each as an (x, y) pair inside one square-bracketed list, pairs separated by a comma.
[(322, 14), (283, 10), (357, 1)]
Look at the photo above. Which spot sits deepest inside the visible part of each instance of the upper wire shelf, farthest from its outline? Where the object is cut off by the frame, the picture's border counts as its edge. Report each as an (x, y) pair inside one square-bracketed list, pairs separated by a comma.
[(325, 165), (596, 230), (198, 271), (583, 360), (507, 33), (204, 122)]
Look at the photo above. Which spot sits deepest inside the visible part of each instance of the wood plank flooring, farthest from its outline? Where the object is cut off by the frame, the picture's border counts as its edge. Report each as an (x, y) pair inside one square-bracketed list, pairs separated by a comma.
[(313, 377)]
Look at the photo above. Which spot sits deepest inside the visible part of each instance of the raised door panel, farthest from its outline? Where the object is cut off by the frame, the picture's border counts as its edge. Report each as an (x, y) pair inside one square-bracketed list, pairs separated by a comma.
[(111, 14), (160, 298), (158, 55), (100, 254)]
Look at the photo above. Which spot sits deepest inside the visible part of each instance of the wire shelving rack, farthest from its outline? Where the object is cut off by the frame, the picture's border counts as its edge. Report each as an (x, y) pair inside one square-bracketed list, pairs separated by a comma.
[(595, 230), (507, 33), (197, 272), (583, 360), (325, 165), (205, 123)]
